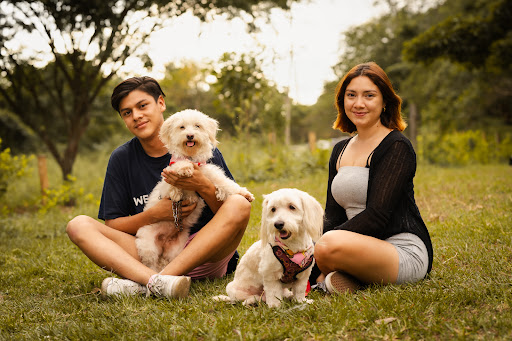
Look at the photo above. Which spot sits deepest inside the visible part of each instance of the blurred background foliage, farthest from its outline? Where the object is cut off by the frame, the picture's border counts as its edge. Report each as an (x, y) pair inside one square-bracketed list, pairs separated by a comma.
[(450, 62)]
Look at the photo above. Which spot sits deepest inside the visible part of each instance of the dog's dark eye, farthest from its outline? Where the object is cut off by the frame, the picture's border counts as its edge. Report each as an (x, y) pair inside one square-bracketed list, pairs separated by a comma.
[(198, 126), (291, 207), (273, 209), (182, 127)]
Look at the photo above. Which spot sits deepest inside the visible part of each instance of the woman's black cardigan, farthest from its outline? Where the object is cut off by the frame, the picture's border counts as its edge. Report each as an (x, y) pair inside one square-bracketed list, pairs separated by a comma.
[(390, 205)]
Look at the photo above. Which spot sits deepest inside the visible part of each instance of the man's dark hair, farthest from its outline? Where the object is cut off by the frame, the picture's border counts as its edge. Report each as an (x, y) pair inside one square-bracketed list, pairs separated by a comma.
[(147, 84)]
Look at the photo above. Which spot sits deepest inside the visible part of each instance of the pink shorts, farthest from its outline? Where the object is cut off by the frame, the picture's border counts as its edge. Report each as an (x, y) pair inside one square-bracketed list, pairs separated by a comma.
[(209, 270)]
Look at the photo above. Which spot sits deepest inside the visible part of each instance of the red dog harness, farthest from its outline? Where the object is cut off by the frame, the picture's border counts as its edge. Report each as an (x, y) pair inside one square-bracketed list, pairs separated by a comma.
[(176, 159)]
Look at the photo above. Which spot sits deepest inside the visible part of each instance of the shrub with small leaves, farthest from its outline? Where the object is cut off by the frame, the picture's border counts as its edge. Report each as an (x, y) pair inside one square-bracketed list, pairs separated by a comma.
[(11, 167), (66, 194), (464, 148)]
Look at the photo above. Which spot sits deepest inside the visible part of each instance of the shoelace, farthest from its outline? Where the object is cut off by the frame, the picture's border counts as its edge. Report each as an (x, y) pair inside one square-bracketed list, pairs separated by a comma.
[(319, 287), (154, 286)]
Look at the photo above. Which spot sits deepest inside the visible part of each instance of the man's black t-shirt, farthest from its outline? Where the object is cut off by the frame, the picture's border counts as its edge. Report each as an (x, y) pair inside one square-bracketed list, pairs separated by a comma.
[(131, 176)]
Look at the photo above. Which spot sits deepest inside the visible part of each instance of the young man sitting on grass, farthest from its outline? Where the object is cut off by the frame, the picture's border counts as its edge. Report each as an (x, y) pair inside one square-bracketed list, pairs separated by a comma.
[(133, 170)]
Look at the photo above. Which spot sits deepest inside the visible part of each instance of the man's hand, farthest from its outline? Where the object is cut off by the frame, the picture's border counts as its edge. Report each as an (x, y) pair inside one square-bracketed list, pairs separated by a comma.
[(197, 182), (163, 209), (160, 212)]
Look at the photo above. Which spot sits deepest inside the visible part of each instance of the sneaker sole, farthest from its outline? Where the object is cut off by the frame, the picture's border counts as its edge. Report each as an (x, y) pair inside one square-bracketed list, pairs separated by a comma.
[(181, 287)]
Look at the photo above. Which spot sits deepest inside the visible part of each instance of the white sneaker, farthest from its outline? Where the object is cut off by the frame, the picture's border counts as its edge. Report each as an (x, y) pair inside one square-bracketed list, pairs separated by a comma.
[(169, 286), (117, 286)]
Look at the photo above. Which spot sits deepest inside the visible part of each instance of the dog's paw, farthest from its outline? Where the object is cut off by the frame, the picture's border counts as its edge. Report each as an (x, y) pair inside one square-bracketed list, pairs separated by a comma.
[(175, 193), (246, 194), (223, 298), (184, 169), (287, 293), (303, 300), (274, 302), (253, 300)]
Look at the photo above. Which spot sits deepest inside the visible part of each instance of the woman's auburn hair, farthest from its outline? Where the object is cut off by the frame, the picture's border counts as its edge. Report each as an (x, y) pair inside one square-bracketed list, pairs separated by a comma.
[(391, 116)]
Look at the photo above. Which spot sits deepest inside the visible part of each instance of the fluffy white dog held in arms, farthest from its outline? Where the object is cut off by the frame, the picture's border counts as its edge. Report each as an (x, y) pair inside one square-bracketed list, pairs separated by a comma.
[(190, 137)]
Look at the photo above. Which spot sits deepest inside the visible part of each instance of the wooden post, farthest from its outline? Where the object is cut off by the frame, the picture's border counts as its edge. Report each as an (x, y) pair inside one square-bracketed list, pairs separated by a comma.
[(312, 141), (43, 175), (272, 138)]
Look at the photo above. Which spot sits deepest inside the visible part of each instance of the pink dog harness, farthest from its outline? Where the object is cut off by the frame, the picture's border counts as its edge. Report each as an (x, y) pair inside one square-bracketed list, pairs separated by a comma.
[(293, 263)]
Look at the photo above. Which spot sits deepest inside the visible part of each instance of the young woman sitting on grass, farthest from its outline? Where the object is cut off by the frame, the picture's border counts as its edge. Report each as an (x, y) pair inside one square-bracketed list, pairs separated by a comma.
[(373, 231)]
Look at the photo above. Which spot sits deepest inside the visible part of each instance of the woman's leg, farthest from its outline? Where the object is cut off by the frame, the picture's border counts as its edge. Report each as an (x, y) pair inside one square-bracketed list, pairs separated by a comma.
[(110, 249), (368, 259), (216, 240)]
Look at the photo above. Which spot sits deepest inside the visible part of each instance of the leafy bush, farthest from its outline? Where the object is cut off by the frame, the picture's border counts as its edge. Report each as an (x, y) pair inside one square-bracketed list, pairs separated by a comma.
[(11, 168), (464, 148), (83, 189), (67, 194), (255, 161)]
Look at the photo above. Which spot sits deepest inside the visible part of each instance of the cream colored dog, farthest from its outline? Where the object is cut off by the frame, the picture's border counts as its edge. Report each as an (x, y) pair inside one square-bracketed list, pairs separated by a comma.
[(283, 257), (190, 137)]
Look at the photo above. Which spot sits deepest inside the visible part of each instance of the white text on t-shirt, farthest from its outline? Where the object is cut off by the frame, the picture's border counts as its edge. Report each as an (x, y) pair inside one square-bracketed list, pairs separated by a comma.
[(143, 199)]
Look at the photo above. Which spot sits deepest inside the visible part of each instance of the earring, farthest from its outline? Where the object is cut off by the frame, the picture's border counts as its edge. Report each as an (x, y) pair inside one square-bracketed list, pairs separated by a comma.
[(384, 109)]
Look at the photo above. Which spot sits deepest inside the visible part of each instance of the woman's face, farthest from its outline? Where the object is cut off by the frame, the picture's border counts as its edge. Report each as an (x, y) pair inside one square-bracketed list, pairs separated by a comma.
[(363, 102)]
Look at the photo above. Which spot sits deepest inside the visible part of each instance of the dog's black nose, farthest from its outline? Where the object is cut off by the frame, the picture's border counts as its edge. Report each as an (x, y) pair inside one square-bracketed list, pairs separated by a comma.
[(190, 137), (279, 224)]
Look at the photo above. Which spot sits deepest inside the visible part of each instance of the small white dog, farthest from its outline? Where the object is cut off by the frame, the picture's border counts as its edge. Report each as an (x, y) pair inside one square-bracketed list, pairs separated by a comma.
[(190, 137), (283, 257)]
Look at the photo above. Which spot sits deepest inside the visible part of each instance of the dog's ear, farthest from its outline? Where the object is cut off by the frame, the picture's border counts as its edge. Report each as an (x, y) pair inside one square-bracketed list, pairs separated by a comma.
[(166, 130), (313, 216), (211, 127), (264, 212)]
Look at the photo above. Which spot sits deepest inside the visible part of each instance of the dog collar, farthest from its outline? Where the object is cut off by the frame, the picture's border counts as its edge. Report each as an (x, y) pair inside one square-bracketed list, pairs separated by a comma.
[(175, 159)]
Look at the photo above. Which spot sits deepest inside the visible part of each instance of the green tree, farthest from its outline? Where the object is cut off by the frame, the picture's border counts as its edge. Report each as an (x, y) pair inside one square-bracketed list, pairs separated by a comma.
[(246, 101), (440, 91), (322, 114), (381, 41), (480, 31), (185, 87), (86, 43), (478, 37)]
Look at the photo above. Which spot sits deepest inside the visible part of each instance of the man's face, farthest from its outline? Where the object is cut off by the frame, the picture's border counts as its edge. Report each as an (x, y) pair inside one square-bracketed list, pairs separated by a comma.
[(141, 114)]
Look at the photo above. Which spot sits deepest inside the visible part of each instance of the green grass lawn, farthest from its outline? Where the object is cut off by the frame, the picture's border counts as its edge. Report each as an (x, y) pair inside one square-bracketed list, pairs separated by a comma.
[(49, 290)]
